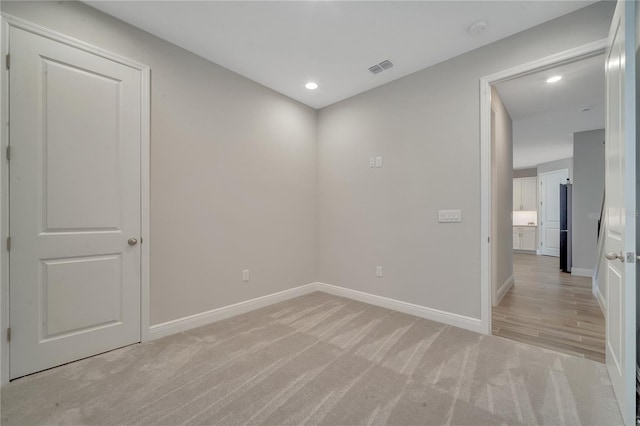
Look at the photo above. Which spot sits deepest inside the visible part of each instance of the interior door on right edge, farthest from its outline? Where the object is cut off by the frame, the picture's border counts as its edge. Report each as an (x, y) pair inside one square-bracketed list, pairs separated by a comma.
[(620, 208)]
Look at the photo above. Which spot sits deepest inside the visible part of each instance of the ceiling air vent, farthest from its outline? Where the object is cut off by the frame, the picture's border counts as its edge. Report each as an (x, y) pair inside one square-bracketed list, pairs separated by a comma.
[(376, 69), (384, 65)]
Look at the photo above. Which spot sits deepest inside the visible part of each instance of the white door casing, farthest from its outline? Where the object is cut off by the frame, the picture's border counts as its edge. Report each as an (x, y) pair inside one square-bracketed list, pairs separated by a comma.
[(620, 207), (550, 211), (75, 200)]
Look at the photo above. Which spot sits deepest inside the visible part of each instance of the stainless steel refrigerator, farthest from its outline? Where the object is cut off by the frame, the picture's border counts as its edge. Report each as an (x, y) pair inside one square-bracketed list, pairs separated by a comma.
[(565, 227)]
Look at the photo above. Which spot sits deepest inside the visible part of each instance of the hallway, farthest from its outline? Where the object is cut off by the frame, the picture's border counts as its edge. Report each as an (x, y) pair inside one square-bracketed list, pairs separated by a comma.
[(551, 309)]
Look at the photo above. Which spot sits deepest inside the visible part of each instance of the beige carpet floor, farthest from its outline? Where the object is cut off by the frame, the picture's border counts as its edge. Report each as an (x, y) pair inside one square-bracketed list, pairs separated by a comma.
[(319, 359)]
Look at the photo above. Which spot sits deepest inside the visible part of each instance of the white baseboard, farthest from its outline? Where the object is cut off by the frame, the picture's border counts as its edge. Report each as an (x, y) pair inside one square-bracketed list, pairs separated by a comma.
[(504, 289), (538, 252), (456, 320), (601, 300), (580, 272), (192, 321)]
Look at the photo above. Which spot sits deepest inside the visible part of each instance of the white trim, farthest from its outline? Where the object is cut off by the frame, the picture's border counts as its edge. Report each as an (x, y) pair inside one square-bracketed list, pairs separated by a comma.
[(504, 289), (4, 210), (449, 318), (571, 55), (145, 209), (8, 21), (204, 318), (23, 24), (601, 300), (581, 272)]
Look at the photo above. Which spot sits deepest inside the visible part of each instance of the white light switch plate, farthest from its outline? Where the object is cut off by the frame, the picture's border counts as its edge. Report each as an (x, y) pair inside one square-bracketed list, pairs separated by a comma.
[(449, 216)]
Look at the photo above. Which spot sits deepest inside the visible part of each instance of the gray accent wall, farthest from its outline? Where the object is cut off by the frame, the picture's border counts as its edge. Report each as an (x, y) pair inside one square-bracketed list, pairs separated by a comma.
[(426, 126), (588, 190), (233, 170), (502, 196)]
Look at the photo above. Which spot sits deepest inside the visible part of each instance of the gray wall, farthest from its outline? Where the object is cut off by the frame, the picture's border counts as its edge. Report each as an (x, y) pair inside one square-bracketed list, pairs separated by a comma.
[(637, 174), (233, 171), (522, 173), (426, 126), (588, 189), (502, 195)]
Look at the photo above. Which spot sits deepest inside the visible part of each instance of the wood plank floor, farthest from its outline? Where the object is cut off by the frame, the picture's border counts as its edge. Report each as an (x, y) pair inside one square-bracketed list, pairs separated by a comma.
[(550, 309)]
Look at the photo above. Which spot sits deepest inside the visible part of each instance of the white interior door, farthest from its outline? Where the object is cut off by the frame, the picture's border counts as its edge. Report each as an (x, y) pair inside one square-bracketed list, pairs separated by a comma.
[(620, 184), (550, 211), (74, 203)]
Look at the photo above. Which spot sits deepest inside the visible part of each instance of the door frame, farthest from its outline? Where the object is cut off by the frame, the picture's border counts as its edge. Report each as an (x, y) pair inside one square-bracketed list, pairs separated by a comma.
[(6, 22), (486, 179)]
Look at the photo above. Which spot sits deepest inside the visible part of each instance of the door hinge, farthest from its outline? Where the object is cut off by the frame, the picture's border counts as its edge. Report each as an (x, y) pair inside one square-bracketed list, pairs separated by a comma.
[(7, 61), (8, 152), (9, 334), (8, 243)]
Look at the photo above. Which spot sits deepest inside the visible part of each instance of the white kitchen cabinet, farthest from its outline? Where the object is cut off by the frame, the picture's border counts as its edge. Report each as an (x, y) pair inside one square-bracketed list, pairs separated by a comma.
[(525, 194), (524, 238)]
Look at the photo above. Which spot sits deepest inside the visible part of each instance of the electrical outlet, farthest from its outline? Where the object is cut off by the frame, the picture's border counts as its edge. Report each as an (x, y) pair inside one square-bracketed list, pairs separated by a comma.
[(245, 275), (378, 271), (378, 161), (372, 161)]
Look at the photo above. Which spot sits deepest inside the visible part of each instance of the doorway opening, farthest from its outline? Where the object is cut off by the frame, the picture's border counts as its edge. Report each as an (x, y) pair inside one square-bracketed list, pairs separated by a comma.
[(551, 123), (533, 127), (553, 120)]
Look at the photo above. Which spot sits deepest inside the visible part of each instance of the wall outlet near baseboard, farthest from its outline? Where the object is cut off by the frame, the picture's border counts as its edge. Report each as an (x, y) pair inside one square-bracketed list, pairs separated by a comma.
[(245, 275), (378, 271)]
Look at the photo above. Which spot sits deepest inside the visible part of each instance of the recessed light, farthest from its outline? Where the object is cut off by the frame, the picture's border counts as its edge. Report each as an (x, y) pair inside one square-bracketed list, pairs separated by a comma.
[(554, 79), (311, 85)]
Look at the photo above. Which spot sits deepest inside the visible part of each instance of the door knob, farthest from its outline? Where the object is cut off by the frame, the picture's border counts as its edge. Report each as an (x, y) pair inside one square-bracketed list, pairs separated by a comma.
[(613, 256), (132, 241)]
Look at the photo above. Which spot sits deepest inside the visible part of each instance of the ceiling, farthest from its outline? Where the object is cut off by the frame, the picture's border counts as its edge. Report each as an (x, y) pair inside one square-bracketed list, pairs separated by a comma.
[(546, 115), (283, 45)]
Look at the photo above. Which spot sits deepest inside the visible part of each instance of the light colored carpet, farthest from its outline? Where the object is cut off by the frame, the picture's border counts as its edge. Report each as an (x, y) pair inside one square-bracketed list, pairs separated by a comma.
[(319, 359)]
